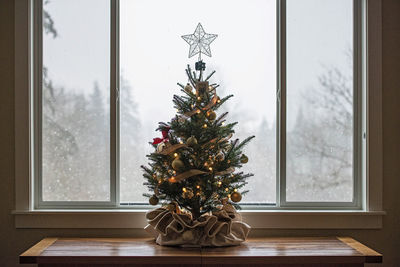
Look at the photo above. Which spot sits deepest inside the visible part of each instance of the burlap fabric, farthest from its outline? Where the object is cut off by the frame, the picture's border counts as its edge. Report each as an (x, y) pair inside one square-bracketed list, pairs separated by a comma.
[(222, 228)]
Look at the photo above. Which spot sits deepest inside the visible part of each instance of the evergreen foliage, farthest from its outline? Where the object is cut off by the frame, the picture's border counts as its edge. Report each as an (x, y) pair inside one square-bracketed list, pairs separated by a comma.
[(196, 139)]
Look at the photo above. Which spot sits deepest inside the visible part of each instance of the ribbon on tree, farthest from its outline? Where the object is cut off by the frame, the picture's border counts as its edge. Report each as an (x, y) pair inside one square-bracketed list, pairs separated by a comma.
[(216, 139), (210, 104), (194, 172), (164, 137), (170, 149), (187, 174)]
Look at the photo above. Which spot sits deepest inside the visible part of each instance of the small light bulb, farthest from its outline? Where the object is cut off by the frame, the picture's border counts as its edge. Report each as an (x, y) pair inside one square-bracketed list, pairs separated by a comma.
[(174, 172), (210, 168), (192, 106), (223, 123), (172, 180), (205, 126), (219, 183), (218, 101), (235, 190), (181, 142), (227, 189), (198, 98), (175, 155), (198, 186), (205, 163), (184, 189), (198, 111), (229, 195)]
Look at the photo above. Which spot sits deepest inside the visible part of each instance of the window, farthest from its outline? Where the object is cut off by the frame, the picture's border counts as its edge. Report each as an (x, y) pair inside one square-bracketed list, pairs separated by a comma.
[(298, 87)]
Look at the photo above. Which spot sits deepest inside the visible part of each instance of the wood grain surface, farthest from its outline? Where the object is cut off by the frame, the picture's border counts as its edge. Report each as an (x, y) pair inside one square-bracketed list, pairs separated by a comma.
[(277, 251)]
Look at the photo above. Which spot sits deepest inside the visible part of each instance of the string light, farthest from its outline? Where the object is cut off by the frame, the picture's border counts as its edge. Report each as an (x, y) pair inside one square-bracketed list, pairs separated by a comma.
[(198, 111), (198, 186), (184, 189), (210, 168), (219, 183), (227, 189), (175, 155), (172, 180), (223, 123), (205, 125), (198, 98), (174, 172), (229, 195), (235, 190)]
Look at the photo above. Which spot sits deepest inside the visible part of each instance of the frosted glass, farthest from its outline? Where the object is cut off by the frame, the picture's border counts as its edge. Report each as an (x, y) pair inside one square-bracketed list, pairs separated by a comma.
[(75, 122), (153, 60), (319, 100)]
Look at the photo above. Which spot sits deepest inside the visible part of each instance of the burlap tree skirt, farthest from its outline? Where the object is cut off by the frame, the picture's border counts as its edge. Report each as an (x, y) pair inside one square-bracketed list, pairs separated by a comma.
[(221, 228)]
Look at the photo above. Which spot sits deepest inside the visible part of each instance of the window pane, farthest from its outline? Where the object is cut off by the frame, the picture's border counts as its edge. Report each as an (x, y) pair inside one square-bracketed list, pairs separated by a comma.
[(153, 59), (75, 121), (319, 100)]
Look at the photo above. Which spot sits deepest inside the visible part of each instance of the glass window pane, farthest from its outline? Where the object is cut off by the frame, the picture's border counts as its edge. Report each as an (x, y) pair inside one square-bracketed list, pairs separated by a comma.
[(153, 60), (75, 118), (319, 100)]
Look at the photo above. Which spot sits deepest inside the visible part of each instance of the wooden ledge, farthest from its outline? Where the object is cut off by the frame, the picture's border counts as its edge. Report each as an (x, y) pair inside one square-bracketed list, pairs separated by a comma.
[(302, 251)]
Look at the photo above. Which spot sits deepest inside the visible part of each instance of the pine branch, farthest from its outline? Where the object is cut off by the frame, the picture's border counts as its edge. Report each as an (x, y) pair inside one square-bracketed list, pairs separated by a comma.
[(211, 74)]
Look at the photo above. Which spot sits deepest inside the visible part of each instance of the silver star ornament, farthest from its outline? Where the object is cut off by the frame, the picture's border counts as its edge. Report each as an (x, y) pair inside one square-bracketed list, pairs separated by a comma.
[(199, 41)]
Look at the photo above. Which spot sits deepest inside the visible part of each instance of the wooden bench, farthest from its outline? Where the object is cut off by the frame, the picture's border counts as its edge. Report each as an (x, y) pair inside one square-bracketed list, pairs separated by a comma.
[(273, 251)]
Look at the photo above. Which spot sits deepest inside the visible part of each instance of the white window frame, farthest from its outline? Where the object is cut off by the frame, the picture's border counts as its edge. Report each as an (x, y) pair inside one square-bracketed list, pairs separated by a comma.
[(32, 212)]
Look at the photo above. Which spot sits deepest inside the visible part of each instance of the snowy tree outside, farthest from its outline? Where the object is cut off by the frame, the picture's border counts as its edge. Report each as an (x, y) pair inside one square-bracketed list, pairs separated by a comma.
[(75, 130)]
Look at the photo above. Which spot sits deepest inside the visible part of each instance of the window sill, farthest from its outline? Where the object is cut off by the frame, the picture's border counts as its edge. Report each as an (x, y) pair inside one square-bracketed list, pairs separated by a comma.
[(265, 219)]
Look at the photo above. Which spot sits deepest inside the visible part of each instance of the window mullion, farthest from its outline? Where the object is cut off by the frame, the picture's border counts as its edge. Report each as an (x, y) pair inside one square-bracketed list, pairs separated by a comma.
[(37, 65), (281, 103), (357, 99), (114, 103)]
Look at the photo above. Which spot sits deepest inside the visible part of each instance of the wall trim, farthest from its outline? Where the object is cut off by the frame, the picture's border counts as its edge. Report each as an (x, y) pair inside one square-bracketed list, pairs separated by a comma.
[(257, 219)]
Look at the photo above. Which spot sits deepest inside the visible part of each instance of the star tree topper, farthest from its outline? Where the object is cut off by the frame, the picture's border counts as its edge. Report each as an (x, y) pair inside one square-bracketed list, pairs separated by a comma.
[(199, 42)]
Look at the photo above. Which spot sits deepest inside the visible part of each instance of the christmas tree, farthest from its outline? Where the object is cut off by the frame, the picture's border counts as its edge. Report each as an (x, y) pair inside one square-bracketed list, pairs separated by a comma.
[(194, 166)]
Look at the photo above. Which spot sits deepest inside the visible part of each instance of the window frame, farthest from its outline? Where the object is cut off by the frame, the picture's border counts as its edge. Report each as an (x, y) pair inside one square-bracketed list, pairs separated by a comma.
[(370, 187)]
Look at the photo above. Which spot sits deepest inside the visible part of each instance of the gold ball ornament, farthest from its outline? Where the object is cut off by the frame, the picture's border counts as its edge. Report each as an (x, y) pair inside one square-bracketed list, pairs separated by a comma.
[(244, 159), (211, 115), (188, 88), (153, 200), (220, 156), (191, 141), (236, 197), (177, 164)]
